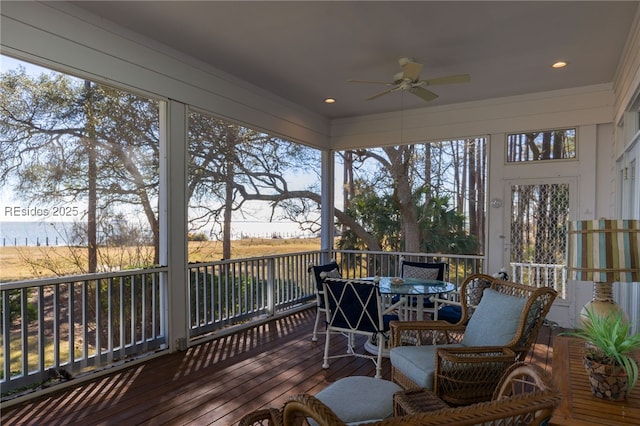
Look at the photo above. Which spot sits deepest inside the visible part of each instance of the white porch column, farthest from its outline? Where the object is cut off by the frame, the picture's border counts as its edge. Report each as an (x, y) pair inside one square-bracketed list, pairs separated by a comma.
[(173, 221), (327, 201)]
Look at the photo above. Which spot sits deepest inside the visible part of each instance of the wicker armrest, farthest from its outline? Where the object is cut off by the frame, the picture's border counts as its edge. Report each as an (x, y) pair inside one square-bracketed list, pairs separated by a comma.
[(264, 417), (526, 409), (300, 407), (468, 375), (424, 331)]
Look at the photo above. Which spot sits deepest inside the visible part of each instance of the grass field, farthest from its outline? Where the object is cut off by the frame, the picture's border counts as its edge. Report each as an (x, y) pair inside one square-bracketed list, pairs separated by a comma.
[(23, 263)]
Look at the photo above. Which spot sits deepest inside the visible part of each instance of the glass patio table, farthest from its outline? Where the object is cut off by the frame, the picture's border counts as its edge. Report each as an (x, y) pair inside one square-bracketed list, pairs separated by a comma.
[(411, 287), (414, 287)]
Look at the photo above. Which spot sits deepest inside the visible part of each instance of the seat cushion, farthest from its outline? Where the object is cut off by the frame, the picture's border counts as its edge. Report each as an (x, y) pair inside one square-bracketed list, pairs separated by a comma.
[(450, 313), (360, 398), (495, 321), (417, 362)]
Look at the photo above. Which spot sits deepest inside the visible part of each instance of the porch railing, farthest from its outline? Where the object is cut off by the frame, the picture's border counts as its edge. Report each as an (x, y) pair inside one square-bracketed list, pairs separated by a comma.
[(231, 292), (541, 275), (78, 324), (65, 326), (357, 264)]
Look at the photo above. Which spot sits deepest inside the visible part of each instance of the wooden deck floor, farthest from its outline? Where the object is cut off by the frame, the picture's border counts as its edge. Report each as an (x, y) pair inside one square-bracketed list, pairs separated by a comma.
[(213, 383)]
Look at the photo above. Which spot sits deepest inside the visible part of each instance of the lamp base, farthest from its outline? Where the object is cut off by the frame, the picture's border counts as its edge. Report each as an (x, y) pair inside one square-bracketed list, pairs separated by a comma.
[(602, 304), (601, 309)]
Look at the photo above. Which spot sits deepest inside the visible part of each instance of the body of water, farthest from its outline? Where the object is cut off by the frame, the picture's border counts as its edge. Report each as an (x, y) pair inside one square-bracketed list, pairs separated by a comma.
[(37, 233), (42, 233)]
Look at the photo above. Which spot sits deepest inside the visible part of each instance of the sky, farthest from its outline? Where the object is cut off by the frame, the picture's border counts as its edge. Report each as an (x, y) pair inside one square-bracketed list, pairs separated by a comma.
[(13, 209)]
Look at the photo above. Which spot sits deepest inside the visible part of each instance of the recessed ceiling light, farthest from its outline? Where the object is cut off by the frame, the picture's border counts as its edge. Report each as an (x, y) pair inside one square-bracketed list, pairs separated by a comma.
[(329, 101), (559, 64)]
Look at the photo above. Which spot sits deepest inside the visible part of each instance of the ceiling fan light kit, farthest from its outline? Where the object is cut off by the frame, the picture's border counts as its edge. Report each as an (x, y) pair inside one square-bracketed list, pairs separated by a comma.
[(409, 80)]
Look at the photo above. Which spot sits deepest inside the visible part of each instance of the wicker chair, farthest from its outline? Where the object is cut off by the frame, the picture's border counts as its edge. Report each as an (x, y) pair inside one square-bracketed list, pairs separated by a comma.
[(524, 396), (465, 366), (264, 417), (449, 307)]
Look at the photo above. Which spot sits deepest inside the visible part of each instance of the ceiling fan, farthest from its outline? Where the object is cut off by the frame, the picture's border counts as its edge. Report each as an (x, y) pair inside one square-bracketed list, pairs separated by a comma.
[(409, 79)]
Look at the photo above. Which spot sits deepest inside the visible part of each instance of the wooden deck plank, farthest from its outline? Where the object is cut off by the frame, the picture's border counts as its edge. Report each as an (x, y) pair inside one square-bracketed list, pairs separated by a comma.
[(216, 382)]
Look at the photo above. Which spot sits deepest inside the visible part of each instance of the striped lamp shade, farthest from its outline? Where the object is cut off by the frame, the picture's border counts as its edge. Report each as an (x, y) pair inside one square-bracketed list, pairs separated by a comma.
[(604, 250)]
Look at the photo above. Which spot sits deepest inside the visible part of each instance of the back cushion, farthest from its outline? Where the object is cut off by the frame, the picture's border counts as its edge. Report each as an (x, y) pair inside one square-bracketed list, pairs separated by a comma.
[(409, 271), (495, 321)]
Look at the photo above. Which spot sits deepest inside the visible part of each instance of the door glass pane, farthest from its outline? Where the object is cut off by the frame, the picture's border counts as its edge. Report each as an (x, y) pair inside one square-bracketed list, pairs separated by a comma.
[(539, 214)]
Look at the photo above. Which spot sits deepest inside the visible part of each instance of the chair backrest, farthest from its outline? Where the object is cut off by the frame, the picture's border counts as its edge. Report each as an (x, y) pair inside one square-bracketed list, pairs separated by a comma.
[(539, 301), (423, 270), (353, 305), (330, 269), (471, 291), (508, 314)]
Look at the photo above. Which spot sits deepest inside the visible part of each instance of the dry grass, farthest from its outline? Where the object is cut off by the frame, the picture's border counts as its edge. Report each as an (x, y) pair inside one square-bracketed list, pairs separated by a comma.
[(23, 263)]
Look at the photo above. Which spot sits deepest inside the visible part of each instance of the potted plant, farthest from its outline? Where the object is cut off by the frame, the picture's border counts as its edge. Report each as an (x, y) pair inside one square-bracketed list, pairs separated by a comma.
[(608, 358)]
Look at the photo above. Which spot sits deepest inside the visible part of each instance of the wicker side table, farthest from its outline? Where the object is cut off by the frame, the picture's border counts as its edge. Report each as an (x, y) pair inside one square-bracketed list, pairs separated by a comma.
[(416, 401)]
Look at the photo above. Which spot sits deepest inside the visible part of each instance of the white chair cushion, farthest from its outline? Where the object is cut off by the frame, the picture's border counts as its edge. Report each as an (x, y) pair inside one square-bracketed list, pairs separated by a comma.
[(360, 398), (495, 321), (417, 362)]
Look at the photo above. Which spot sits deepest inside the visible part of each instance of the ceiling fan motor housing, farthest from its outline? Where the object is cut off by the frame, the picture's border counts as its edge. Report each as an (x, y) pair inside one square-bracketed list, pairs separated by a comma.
[(409, 79)]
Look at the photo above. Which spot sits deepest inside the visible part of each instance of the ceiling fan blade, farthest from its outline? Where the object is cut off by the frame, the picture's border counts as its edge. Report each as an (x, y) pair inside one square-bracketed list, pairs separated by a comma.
[(371, 82), (412, 70), (423, 93), (377, 95), (451, 79)]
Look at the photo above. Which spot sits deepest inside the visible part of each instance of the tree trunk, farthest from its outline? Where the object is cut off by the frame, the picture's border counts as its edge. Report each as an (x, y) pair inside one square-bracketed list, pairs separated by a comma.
[(472, 207), (92, 173), (229, 155), (399, 158), (348, 184)]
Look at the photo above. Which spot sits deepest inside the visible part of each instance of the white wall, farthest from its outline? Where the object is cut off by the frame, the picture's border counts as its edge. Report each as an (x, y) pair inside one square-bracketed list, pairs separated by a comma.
[(544, 110)]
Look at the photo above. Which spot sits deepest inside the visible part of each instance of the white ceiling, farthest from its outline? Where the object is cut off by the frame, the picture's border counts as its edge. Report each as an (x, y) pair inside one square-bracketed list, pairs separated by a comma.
[(305, 51)]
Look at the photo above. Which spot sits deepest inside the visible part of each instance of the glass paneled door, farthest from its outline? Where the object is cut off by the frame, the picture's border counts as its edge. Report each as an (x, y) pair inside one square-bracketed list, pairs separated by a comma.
[(537, 232)]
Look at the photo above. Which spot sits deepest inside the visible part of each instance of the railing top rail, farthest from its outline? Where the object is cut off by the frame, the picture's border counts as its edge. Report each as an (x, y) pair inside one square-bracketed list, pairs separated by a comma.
[(544, 265), (418, 254), (14, 285), (256, 258)]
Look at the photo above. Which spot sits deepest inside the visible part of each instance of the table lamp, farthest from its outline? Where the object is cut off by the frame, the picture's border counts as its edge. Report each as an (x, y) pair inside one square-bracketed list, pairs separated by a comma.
[(603, 251)]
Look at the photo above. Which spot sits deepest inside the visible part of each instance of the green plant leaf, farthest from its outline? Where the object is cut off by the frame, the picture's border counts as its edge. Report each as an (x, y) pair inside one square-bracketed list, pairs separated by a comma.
[(611, 336)]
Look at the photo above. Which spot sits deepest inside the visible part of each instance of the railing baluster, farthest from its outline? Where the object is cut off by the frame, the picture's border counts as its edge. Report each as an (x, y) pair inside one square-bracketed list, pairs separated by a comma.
[(57, 338), (24, 331), (41, 331), (6, 333), (134, 316)]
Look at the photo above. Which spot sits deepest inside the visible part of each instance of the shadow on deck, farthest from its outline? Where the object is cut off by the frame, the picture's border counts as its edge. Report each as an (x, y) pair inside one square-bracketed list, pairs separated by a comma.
[(215, 382)]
